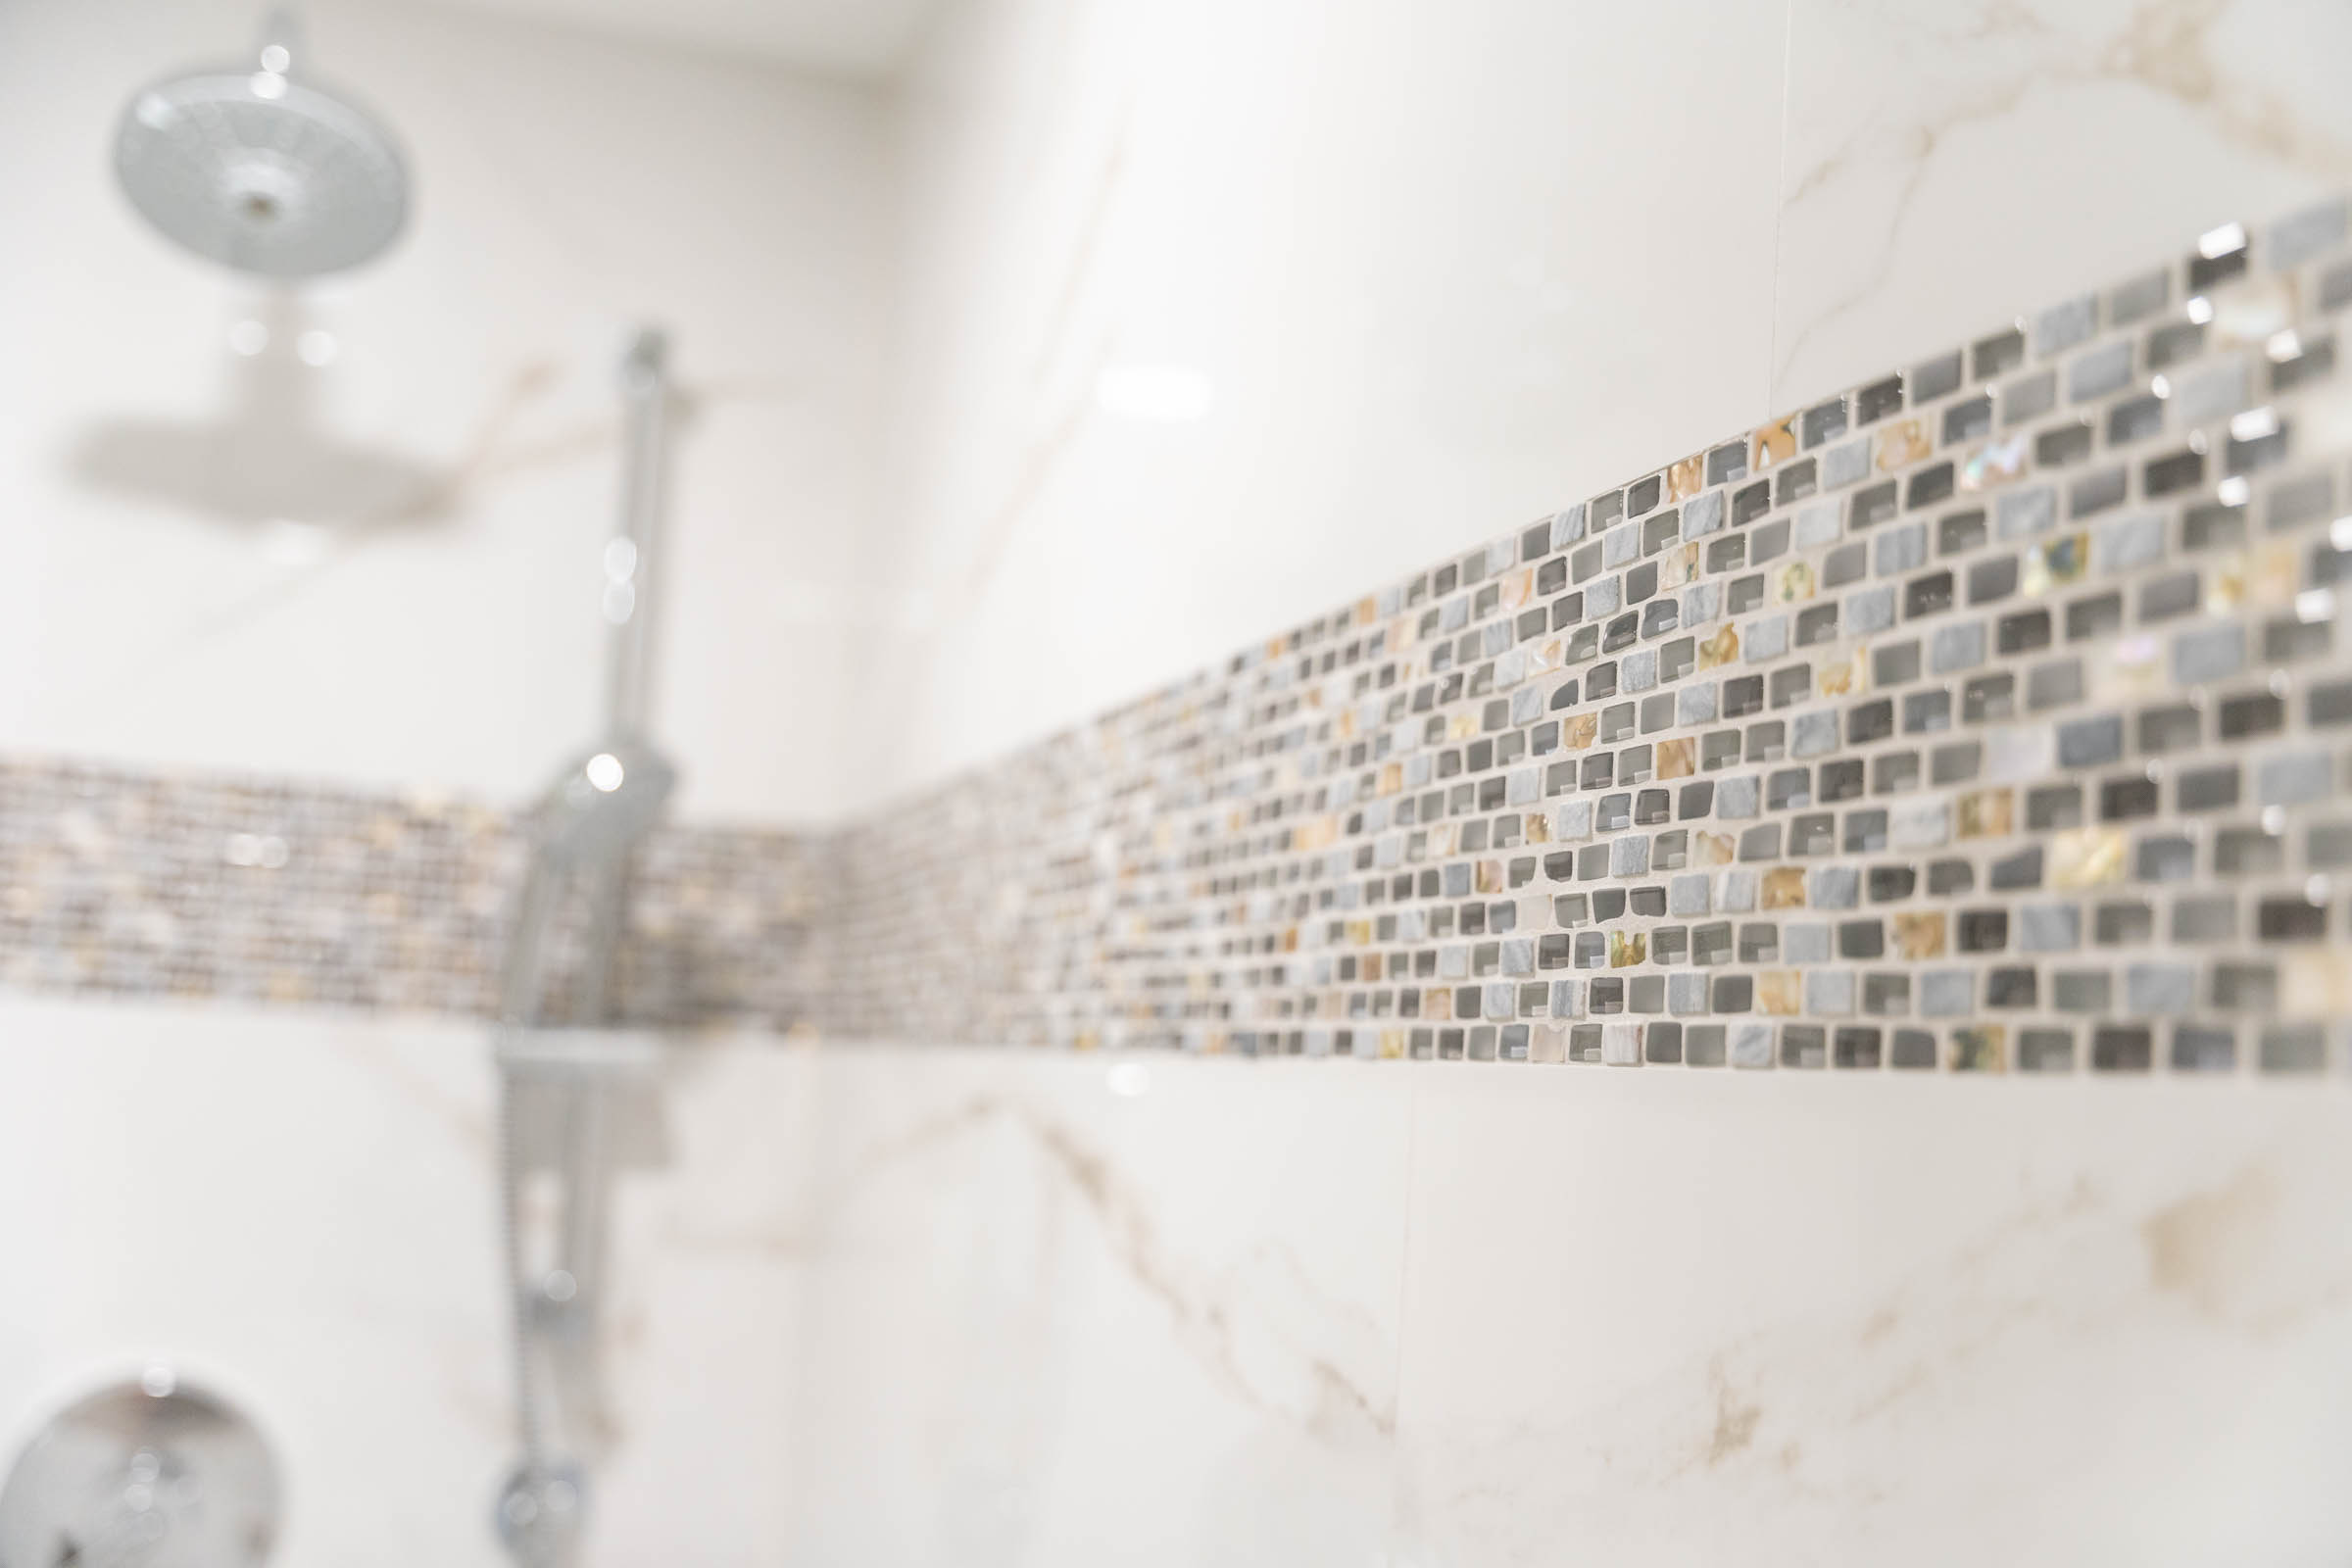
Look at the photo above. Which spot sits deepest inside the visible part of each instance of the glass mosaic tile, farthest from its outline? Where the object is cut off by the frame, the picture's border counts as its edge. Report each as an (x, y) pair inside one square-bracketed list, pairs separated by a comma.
[(121, 883), (1988, 717)]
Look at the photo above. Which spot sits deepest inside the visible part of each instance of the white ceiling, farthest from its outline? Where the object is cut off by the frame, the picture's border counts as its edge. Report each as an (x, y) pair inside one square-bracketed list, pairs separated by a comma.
[(867, 39)]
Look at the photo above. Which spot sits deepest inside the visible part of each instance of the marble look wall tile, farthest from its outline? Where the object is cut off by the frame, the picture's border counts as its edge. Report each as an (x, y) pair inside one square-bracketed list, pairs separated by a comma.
[(1947, 164), (1506, 246), (884, 1305), (868, 1304), (302, 1210), (295, 1210), (1050, 1325), (1874, 1327)]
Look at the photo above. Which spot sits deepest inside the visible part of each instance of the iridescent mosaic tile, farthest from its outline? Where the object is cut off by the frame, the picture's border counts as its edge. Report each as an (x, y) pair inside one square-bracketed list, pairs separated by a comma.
[(1989, 717), (136, 884)]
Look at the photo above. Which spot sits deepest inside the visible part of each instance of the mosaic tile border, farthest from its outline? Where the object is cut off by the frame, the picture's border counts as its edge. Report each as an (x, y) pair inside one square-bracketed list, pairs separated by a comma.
[(1988, 715), (129, 883)]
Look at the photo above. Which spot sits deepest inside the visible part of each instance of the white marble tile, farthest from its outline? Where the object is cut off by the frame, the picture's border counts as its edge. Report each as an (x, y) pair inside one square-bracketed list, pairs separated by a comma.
[(1783, 1321), (294, 1209), (1949, 167), (1053, 1323), (867, 1305), (928, 1306), (1442, 271), (301, 1209)]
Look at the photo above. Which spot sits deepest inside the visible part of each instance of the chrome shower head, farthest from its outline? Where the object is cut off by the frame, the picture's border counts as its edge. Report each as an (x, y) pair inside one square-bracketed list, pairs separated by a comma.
[(262, 170)]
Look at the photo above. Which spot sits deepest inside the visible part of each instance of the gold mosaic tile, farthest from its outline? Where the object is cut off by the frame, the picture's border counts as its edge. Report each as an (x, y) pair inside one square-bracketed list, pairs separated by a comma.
[(2087, 857), (1987, 813), (1686, 478), (1900, 444), (1920, 933), (1981, 1048), (1846, 676), (2056, 562)]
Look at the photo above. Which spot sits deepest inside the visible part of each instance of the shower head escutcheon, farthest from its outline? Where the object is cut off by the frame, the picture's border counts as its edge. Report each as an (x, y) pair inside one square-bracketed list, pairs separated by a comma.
[(261, 169)]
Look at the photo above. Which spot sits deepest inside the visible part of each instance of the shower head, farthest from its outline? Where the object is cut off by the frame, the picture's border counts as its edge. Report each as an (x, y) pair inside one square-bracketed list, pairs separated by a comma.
[(262, 170)]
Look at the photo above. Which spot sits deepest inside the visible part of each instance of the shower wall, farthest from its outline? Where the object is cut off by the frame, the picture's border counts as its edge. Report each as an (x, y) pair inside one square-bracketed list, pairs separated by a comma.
[(1171, 330), (384, 569), (906, 1306), (282, 646), (1426, 273), (1237, 322), (297, 1209)]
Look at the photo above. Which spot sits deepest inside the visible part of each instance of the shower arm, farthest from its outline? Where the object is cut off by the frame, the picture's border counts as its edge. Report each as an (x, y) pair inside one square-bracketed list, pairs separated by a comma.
[(629, 578)]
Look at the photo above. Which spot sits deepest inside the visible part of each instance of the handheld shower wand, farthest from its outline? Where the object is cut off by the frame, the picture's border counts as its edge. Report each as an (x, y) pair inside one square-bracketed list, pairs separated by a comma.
[(584, 834)]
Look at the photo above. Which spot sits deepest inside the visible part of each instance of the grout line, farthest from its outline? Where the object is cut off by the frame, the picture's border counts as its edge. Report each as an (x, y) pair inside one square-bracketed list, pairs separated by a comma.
[(1780, 206)]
